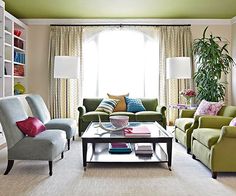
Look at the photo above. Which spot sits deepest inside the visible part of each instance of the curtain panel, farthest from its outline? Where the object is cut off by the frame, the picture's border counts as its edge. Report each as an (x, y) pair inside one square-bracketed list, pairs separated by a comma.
[(64, 41), (175, 41)]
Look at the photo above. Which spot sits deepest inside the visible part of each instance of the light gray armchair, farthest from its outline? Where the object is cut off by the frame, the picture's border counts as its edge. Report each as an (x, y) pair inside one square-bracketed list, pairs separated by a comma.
[(39, 110), (47, 145)]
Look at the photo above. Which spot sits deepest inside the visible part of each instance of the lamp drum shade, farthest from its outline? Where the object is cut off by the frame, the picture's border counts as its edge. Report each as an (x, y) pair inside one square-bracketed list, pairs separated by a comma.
[(178, 68), (66, 67)]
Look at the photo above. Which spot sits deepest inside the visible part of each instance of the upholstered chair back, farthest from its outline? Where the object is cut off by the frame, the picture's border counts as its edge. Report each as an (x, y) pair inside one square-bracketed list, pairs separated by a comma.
[(38, 108), (227, 111), (11, 111)]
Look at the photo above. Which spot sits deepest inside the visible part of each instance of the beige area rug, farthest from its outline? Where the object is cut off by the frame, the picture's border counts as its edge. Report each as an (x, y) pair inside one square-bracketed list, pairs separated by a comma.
[(188, 177)]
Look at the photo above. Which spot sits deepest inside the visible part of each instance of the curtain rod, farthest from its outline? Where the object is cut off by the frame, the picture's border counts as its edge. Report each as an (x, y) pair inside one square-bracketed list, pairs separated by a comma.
[(117, 25)]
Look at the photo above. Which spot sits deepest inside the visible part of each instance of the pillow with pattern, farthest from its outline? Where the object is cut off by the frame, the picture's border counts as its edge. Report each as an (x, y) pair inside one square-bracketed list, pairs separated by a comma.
[(134, 105), (208, 108), (121, 106), (107, 105), (233, 122)]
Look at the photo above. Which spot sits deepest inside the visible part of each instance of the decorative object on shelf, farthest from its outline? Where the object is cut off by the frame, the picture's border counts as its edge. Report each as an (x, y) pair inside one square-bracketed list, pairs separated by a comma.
[(19, 89), (188, 94), (212, 59), (17, 32), (18, 70)]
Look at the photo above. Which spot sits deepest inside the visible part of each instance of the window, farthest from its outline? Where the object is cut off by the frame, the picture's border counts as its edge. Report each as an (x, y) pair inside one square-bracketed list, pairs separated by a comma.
[(120, 61)]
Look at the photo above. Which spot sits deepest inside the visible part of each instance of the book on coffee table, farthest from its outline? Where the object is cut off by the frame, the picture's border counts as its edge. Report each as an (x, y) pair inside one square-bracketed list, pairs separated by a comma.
[(140, 131), (120, 148), (143, 149)]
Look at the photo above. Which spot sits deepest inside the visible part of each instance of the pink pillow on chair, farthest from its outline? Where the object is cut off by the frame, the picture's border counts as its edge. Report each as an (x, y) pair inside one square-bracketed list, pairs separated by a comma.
[(31, 126), (208, 108), (233, 122)]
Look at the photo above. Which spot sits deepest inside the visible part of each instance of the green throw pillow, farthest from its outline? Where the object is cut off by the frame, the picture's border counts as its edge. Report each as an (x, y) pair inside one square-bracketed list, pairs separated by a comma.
[(107, 105)]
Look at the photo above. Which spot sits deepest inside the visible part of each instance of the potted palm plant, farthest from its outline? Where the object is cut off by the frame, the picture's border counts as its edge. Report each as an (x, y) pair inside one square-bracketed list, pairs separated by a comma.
[(212, 59)]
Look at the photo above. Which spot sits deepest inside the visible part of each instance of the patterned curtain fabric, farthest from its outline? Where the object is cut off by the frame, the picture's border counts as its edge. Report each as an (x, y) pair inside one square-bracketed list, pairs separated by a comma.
[(175, 41), (64, 41)]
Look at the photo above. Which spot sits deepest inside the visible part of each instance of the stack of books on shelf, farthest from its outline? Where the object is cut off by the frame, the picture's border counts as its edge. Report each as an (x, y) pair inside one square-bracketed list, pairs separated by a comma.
[(143, 149), (120, 148), (140, 131)]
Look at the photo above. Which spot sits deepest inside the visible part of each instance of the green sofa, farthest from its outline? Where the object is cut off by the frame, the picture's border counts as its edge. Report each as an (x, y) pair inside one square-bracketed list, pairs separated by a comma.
[(214, 144), (153, 112), (187, 122)]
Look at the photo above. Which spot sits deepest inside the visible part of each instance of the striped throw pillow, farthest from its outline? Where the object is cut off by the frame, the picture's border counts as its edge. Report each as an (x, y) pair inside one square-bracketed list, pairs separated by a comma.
[(107, 105)]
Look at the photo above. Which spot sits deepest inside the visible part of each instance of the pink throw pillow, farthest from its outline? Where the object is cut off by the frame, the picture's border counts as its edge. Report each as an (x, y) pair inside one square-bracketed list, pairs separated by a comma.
[(233, 122), (208, 108), (31, 126)]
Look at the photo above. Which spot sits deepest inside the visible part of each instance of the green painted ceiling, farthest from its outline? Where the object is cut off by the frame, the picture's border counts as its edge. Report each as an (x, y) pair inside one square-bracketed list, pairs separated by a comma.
[(122, 8)]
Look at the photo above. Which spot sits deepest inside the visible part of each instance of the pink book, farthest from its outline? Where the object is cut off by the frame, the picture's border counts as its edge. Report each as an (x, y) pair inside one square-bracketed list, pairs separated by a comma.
[(137, 130)]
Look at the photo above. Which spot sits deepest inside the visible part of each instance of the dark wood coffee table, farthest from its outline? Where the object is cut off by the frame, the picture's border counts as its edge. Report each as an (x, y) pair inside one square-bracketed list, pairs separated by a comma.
[(160, 138)]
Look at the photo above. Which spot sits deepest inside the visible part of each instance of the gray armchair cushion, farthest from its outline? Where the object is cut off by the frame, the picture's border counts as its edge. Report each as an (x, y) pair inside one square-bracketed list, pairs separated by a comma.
[(45, 146), (67, 124), (11, 111), (38, 108)]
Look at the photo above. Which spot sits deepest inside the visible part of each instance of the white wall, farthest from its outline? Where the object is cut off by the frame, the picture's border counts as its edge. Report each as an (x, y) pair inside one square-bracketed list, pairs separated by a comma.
[(39, 45), (38, 50)]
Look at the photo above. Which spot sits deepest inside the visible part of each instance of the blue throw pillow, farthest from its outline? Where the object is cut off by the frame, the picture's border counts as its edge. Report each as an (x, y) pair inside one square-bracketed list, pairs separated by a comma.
[(134, 105)]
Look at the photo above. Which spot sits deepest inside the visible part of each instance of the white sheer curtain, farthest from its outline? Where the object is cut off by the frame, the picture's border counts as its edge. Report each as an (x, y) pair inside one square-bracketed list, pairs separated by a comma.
[(120, 60)]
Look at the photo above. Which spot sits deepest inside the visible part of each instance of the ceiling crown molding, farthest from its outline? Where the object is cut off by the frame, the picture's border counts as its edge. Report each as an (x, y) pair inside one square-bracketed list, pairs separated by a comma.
[(150, 21)]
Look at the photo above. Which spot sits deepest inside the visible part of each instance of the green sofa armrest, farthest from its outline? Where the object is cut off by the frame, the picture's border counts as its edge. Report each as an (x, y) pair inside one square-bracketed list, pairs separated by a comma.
[(187, 113), (82, 111), (215, 122), (228, 131), (161, 109)]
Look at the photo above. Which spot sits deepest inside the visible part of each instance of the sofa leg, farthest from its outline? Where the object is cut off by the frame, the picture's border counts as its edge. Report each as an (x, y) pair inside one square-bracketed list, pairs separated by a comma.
[(193, 156), (68, 143), (62, 155), (9, 166), (50, 168), (188, 150), (214, 175), (73, 138), (176, 140)]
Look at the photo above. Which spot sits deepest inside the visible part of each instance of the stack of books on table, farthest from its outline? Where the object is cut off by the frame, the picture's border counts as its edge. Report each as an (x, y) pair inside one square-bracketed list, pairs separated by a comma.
[(143, 149), (140, 131), (120, 148)]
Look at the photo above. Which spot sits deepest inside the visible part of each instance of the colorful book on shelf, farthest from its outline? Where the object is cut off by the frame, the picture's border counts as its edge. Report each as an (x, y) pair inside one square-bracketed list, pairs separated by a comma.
[(140, 131), (120, 148)]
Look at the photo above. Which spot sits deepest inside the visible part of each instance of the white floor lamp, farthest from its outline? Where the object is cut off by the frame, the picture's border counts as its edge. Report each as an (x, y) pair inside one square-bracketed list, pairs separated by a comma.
[(67, 67)]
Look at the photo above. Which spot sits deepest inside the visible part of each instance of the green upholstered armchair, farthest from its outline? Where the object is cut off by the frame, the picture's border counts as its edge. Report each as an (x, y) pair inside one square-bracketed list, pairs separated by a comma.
[(188, 121), (214, 144)]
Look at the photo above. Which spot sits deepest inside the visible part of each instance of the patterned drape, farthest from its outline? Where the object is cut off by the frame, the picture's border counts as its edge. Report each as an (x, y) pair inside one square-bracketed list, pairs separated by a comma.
[(175, 41), (64, 41)]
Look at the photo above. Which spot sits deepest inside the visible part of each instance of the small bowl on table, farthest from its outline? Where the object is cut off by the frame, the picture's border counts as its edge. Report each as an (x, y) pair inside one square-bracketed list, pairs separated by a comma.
[(119, 121)]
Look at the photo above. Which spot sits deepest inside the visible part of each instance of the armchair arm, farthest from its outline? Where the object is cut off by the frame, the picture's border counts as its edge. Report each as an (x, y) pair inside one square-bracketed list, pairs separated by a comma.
[(215, 122), (82, 111), (228, 131), (161, 109), (186, 113)]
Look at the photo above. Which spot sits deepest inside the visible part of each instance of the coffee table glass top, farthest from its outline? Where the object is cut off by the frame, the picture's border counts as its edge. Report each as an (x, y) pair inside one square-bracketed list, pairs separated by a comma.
[(93, 131)]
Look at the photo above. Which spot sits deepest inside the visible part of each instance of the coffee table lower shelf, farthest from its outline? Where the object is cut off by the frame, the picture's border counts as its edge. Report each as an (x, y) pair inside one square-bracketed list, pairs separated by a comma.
[(100, 154)]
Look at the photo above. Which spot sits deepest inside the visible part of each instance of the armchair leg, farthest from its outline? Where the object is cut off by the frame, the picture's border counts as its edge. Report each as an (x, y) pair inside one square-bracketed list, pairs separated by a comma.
[(188, 150), (73, 138), (62, 155), (9, 166), (214, 175), (50, 168), (68, 143), (193, 156), (176, 140)]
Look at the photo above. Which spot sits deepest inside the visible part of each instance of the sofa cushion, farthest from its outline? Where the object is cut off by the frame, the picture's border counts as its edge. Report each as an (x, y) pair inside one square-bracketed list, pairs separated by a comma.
[(130, 114), (184, 123), (107, 105), (93, 116), (206, 136), (148, 116), (121, 106), (134, 105)]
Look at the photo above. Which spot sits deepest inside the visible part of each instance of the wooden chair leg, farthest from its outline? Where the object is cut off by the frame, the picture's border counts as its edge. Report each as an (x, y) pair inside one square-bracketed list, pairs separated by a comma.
[(73, 138), (68, 143), (62, 155), (50, 168), (9, 166), (214, 175), (193, 156), (188, 150)]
